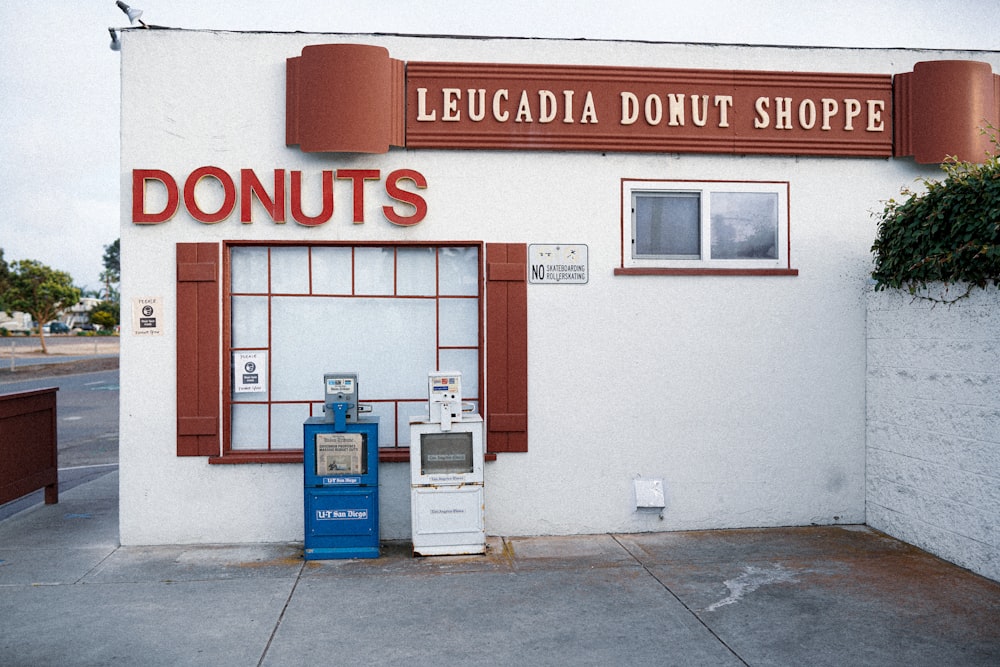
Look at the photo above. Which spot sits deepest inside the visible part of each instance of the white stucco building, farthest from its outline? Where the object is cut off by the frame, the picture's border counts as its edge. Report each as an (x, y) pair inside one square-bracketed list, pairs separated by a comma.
[(734, 374)]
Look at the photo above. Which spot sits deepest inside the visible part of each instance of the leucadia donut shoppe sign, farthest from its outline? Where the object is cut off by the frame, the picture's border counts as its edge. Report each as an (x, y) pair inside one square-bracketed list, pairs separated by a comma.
[(647, 261)]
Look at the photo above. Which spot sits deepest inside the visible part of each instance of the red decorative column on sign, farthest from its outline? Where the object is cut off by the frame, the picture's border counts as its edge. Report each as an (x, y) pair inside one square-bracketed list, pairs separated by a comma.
[(941, 109), (345, 98)]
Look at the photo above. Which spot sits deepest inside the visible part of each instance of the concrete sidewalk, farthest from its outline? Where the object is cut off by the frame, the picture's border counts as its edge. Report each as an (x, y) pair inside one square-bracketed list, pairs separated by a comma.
[(69, 595)]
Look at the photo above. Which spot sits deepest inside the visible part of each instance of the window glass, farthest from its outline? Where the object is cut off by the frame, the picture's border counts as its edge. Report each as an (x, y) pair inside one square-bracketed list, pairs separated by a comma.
[(667, 224), (331, 270), (289, 270), (465, 361), (249, 426), (415, 272), (249, 321), (374, 270), (744, 225), (458, 271), (457, 322), (405, 410), (286, 425), (248, 268), (385, 412), (375, 338)]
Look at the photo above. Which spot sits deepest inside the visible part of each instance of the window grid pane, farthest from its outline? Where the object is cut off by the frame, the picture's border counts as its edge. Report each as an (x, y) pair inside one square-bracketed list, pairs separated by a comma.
[(331, 270), (249, 270)]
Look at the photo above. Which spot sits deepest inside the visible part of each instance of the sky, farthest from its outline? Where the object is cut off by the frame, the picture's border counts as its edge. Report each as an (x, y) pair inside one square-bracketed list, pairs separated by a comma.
[(60, 88)]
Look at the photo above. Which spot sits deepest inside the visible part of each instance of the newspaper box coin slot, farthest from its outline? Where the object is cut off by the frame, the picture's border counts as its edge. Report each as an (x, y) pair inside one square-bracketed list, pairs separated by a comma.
[(340, 474), (446, 473)]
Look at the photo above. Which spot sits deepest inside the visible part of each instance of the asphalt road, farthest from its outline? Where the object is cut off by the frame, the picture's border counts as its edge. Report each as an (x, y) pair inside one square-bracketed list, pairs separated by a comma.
[(87, 413)]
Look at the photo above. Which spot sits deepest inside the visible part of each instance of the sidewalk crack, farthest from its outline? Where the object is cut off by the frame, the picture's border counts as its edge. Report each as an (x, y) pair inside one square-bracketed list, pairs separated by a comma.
[(281, 616), (691, 611)]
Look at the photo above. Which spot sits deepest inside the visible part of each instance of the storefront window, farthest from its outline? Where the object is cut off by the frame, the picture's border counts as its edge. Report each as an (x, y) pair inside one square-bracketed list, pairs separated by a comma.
[(389, 313), (704, 225)]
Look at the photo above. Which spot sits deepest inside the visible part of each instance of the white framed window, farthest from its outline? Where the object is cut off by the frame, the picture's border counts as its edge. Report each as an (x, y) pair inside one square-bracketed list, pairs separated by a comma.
[(705, 225)]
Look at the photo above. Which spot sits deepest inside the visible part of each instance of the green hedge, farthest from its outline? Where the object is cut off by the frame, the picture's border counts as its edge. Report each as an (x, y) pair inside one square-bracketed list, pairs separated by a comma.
[(950, 233)]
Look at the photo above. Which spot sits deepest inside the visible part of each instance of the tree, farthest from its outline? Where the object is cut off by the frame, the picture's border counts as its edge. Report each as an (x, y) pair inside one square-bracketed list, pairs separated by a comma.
[(111, 275), (39, 291), (104, 319), (106, 314)]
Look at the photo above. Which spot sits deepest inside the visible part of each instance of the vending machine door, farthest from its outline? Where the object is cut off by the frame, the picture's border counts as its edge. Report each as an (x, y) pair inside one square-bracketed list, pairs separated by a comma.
[(341, 523), (448, 520)]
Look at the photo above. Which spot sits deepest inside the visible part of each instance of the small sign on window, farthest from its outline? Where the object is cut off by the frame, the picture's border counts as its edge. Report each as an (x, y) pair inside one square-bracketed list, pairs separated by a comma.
[(249, 372)]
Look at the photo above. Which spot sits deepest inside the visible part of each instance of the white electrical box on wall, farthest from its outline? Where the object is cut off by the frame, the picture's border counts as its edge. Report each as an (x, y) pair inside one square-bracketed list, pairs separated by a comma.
[(649, 494)]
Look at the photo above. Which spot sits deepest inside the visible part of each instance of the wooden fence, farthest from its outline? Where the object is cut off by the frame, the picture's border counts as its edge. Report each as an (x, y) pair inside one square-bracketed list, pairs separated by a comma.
[(28, 444)]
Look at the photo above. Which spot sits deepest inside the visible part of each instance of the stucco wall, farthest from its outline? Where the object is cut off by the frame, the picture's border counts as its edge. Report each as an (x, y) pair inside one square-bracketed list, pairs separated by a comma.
[(744, 394), (934, 425)]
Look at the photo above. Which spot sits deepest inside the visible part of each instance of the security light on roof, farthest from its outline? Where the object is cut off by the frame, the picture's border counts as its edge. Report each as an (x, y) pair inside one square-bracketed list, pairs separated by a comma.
[(132, 14)]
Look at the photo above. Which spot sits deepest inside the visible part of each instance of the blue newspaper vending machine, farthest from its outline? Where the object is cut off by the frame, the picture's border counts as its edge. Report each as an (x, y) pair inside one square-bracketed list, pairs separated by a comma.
[(340, 455)]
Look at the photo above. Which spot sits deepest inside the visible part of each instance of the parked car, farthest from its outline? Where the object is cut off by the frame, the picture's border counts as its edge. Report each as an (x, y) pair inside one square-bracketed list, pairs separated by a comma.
[(56, 328), (15, 328)]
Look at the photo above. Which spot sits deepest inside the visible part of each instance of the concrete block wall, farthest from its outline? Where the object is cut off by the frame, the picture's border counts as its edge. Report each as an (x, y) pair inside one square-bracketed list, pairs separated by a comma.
[(933, 432)]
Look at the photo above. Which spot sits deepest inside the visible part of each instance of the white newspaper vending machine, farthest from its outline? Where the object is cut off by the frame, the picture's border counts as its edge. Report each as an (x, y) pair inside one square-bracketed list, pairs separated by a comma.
[(446, 473)]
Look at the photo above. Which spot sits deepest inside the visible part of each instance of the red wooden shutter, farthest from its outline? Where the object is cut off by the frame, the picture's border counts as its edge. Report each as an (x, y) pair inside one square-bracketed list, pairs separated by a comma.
[(506, 347), (198, 349)]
